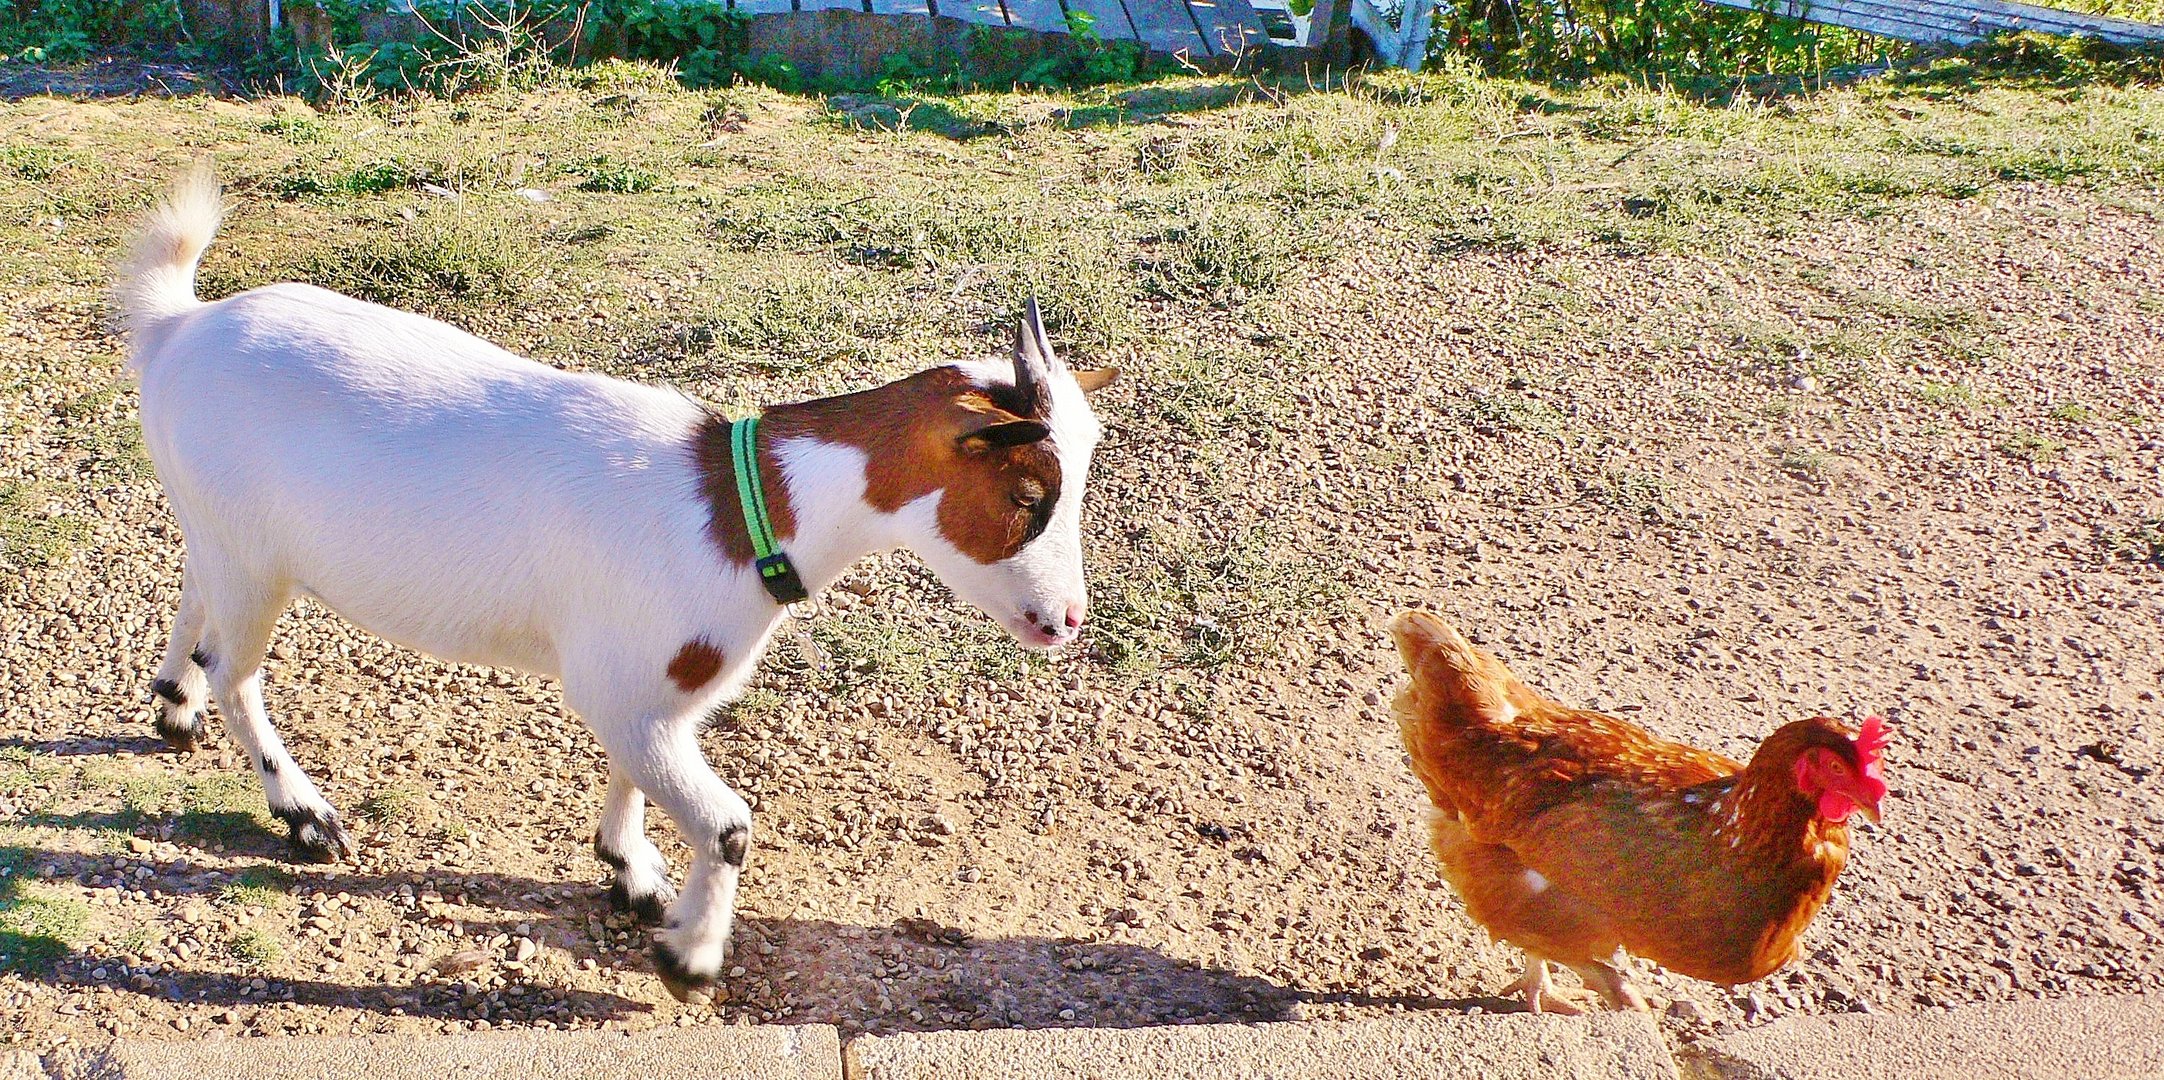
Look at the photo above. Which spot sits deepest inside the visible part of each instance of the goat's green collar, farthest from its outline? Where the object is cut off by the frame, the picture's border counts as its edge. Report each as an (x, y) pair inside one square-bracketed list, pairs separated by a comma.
[(775, 571)]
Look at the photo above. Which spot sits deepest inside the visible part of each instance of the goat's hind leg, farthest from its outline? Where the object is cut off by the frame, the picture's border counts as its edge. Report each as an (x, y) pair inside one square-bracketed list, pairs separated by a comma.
[(241, 618), (641, 884), (181, 688)]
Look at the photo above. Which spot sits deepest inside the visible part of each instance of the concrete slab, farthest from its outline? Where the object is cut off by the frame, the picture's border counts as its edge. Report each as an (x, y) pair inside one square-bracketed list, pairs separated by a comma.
[(810, 1052), (1603, 1047), (2089, 1039)]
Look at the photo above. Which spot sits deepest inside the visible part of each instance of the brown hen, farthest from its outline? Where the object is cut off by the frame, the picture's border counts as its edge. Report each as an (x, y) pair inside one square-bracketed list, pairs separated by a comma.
[(1570, 833)]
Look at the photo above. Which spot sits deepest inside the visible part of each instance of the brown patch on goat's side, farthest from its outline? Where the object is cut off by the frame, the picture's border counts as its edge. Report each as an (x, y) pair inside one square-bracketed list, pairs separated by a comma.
[(694, 665), (917, 437)]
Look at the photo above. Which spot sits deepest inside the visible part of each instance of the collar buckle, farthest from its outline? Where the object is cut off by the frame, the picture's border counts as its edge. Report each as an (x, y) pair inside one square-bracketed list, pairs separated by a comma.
[(778, 574)]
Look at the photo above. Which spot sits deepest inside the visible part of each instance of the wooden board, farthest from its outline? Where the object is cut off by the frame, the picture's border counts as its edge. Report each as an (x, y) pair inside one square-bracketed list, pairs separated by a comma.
[(1165, 26), (1230, 26), (1111, 15), (981, 12), (1045, 16), (1955, 21)]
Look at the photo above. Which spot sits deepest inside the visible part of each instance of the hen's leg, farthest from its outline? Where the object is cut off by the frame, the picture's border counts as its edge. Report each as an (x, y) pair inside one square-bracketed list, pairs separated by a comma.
[(1540, 992), (1612, 985)]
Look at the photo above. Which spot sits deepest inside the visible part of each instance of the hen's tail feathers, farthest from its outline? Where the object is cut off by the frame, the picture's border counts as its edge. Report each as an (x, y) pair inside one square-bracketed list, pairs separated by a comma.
[(1453, 684), (1449, 673), (157, 279)]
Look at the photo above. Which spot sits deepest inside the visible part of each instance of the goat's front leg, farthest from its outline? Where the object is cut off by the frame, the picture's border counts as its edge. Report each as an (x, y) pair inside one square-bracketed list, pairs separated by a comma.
[(641, 884), (662, 757)]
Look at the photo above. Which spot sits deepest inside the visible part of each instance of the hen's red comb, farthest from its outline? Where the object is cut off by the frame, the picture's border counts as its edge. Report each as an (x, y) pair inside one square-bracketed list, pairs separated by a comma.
[(1873, 738)]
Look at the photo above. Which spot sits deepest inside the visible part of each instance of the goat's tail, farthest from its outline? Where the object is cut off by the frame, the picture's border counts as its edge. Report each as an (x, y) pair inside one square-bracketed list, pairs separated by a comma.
[(157, 279)]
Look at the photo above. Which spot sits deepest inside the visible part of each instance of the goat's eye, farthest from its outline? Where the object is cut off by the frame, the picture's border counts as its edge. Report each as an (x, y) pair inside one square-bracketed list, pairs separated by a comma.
[(1028, 495)]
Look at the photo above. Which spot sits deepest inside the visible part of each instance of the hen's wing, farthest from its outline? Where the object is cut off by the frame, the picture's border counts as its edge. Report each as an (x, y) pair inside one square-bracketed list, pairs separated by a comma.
[(1492, 750)]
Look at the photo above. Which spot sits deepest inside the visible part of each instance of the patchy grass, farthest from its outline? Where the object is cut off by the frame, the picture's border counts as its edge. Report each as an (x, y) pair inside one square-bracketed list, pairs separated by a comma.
[(2140, 542), (38, 923), (1644, 496), (254, 947), (373, 178), (440, 262), (1508, 413), (2031, 447), (258, 886), (1181, 601), (391, 804), (616, 177), (31, 161), (1805, 462), (35, 534), (1948, 395)]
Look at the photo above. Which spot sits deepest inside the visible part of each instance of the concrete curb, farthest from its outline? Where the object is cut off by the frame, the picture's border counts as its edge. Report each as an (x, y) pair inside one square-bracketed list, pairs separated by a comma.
[(2088, 1039), (1510, 1047), (809, 1052), (2092, 1039)]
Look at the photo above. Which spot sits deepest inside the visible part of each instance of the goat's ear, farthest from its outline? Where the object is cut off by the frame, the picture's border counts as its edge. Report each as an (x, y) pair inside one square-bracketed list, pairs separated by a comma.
[(1000, 428), (1093, 381), (1033, 361)]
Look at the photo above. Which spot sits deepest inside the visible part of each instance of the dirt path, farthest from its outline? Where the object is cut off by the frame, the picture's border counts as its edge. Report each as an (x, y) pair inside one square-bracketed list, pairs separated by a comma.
[(1898, 451)]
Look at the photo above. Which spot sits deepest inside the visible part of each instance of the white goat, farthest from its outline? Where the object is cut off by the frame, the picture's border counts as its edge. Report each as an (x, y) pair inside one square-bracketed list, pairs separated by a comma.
[(483, 508)]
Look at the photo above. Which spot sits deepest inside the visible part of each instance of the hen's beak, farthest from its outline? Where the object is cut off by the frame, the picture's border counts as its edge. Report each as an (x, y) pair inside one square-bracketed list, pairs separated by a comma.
[(1868, 810)]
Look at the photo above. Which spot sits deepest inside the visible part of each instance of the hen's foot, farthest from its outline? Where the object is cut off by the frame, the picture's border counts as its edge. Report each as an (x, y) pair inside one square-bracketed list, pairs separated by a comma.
[(1540, 992), (1611, 984)]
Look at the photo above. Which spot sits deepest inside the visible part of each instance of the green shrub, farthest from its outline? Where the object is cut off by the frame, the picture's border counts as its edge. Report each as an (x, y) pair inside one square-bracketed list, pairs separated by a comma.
[(1675, 37), (63, 31)]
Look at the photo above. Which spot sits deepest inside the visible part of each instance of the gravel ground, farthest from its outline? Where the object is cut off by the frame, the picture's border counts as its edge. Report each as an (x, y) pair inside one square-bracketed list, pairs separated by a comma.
[(1894, 461)]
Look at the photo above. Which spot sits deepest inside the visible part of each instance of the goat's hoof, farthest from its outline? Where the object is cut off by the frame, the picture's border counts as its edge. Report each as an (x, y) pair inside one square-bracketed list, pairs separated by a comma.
[(683, 984), (181, 733), (650, 909), (316, 835)]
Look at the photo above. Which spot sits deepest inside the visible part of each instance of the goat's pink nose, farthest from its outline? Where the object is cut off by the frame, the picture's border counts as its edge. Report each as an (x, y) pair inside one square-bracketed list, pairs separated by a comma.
[(1075, 616)]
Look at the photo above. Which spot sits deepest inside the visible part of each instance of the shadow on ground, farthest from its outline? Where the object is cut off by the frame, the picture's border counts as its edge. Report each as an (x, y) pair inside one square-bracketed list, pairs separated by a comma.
[(911, 975), (87, 747)]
